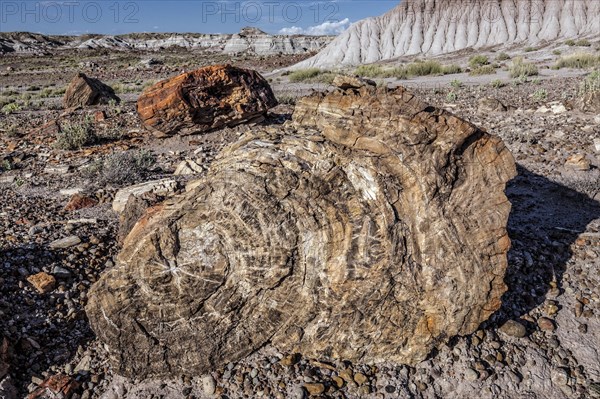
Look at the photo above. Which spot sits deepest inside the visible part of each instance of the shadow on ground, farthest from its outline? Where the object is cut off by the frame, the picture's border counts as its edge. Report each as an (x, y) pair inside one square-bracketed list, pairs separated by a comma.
[(545, 220), (38, 337)]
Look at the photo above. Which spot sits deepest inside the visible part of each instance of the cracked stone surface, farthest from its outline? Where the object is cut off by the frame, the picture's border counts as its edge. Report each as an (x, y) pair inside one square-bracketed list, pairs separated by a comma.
[(370, 228)]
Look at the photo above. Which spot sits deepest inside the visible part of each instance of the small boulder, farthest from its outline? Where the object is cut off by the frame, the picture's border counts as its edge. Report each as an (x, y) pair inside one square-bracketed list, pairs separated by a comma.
[(188, 167), (513, 328), (66, 242), (489, 104), (205, 99), (80, 201), (84, 91), (56, 386), (160, 187), (43, 282), (578, 162)]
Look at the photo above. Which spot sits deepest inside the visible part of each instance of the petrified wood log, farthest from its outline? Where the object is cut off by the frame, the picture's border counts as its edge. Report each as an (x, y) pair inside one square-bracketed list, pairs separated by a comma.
[(83, 91), (372, 228), (205, 99)]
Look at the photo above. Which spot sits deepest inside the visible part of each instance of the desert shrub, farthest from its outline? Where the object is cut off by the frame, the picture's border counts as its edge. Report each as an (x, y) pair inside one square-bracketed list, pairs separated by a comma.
[(286, 98), (530, 49), (483, 70), (579, 60), (540, 95), (76, 135), (456, 83), (502, 57), (424, 68), (591, 83), (304, 74), (451, 96), (312, 75), (46, 92), (478, 60), (451, 69), (417, 68), (123, 88), (520, 68), (583, 43), (496, 84), (570, 42), (377, 71), (556, 52), (58, 92), (121, 168), (10, 108)]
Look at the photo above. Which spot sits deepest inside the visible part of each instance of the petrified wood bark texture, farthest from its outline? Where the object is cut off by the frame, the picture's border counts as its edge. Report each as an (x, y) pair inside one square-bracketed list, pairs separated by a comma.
[(205, 99), (83, 91), (371, 228)]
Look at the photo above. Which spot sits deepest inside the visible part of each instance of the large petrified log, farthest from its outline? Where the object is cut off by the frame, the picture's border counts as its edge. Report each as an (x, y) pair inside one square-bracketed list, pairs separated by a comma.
[(205, 99), (371, 228)]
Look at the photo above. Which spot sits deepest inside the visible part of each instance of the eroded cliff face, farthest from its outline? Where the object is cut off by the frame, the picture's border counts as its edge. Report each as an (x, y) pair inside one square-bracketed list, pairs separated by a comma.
[(371, 228), (433, 27)]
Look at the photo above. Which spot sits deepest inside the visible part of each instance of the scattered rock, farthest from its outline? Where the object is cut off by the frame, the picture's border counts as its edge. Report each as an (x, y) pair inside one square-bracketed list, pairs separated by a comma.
[(43, 282), (314, 389), (100, 116), (489, 104), (206, 99), (360, 378), (7, 389), (241, 228), (56, 386), (597, 145), (471, 375), (80, 201), (513, 328), (558, 108), (160, 187), (589, 102), (65, 242), (209, 385), (150, 62), (4, 356), (7, 179), (290, 360), (84, 91), (345, 82), (61, 272), (57, 169), (188, 167), (546, 324), (69, 192), (578, 162)]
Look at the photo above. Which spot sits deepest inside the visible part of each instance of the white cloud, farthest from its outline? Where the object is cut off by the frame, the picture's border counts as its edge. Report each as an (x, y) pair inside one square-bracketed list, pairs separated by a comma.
[(326, 28)]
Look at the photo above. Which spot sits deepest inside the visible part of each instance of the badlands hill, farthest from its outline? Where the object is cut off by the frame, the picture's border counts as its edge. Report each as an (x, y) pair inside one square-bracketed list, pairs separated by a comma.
[(433, 27), (248, 40)]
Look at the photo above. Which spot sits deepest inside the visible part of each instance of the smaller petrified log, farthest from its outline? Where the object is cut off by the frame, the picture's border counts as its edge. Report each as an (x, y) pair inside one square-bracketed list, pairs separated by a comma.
[(83, 91), (205, 99)]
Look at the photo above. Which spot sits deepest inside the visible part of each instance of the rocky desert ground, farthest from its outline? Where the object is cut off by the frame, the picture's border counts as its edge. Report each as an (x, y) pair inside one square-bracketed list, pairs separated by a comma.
[(67, 173)]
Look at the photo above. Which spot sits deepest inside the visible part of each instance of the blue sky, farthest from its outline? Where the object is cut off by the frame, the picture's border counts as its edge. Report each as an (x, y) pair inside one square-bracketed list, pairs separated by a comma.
[(222, 16)]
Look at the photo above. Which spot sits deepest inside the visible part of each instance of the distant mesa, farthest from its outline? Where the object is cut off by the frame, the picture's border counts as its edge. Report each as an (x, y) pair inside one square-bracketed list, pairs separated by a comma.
[(249, 40)]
